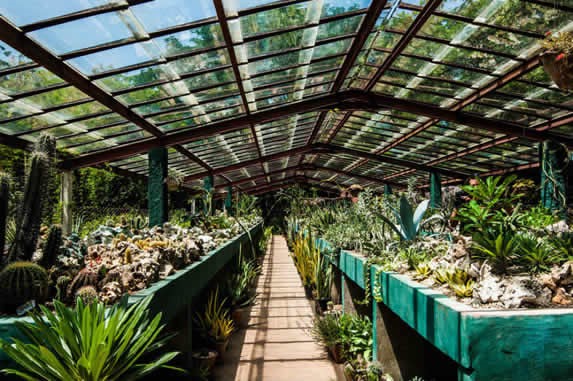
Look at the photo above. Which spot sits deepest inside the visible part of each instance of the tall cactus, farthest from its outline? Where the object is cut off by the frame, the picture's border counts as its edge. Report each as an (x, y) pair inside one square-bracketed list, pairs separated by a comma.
[(4, 201), (30, 216), (52, 246), (46, 144)]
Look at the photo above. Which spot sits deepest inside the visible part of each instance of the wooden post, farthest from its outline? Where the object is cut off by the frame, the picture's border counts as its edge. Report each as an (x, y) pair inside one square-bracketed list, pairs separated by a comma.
[(435, 190), (229, 200), (208, 183), (554, 162)]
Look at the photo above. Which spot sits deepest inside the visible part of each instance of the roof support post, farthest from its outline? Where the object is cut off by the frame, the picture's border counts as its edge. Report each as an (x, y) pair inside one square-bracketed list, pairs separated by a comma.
[(157, 186), (66, 200), (387, 189), (208, 183), (435, 190), (554, 162), (229, 200)]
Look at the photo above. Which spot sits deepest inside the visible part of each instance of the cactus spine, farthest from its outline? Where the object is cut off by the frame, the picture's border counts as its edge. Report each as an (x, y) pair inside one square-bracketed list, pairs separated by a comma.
[(30, 216), (61, 286), (52, 246), (4, 199), (23, 281), (85, 277), (88, 294), (46, 144)]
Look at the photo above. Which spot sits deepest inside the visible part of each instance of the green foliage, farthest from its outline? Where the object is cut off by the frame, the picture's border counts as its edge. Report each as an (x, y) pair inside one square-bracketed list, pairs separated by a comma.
[(326, 329), (323, 278), (423, 271), (215, 322), (535, 254), (52, 246), (4, 209), (30, 215), (539, 217), (563, 244), (46, 144), (240, 286), (89, 343), (408, 222), (496, 246), (306, 258), (23, 281), (356, 336), (413, 256)]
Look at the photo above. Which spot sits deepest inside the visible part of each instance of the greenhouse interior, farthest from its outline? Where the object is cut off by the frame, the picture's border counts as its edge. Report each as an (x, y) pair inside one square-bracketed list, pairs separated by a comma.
[(263, 190)]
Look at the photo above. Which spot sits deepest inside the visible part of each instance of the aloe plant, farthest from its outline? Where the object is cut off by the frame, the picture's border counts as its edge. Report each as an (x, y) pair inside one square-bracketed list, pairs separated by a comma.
[(88, 343), (408, 221)]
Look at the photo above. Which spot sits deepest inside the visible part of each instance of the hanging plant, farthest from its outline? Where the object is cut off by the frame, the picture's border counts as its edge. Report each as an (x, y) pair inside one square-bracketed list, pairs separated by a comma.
[(557, 58), (174, 180)]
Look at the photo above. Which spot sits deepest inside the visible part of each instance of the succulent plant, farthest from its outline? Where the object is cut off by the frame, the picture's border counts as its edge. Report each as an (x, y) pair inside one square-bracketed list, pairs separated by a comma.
[(4, 198), (23, 281), (30, 216), (85, 277), (88, 294), (52, 246), (62, 284)]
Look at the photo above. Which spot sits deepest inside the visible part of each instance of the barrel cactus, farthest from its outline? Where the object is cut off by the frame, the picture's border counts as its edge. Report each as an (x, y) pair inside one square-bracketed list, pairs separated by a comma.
[(30, 216), (88, 294), (4, 198), (52, 246), (23, 281), (85, 277)]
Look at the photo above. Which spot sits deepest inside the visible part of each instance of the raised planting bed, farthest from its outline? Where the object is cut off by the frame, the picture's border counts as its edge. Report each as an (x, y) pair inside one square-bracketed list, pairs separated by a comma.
[(519, 344), (172, 294)]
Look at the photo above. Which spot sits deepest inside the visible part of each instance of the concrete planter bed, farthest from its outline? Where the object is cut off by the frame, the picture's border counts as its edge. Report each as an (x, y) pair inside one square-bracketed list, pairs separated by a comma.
[(173, 294), (473, 344)]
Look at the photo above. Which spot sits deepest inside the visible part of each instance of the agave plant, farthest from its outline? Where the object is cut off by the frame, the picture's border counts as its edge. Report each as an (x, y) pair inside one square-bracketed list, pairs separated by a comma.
[(408, 221), (88, 343)]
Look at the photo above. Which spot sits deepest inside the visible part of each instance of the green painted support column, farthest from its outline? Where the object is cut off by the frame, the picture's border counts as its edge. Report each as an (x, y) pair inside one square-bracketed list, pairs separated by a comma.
[(554, 160), (435, 190), (229, 200), (208, 183), (387, 189), (157, 186)]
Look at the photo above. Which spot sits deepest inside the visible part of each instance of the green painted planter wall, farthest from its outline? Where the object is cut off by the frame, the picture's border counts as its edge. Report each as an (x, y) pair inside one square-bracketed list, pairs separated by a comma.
[(172, 294), (516, 345)]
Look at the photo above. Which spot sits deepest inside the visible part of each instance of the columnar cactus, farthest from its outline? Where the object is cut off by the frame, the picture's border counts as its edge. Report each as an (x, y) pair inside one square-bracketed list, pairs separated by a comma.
[(52, 246), (23, 281), (46, 144), (30, 216), (62, 284), (4, 198)]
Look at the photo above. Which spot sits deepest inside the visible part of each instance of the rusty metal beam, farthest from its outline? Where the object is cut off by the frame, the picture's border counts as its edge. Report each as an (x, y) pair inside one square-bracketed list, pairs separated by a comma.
[(365, 29), (416, 25)]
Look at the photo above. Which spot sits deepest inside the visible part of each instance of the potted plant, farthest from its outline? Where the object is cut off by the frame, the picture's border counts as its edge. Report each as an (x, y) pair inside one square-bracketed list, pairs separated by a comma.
[(557, 58), (215, 323), (323, 284), (89, 342), (306, 257), (204, 359), (241, 292), (326, 331)]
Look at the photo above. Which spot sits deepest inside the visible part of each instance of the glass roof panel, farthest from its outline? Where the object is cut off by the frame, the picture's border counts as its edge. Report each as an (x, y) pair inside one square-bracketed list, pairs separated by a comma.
[(162, 14), (70, 36), (274, 19), (32, 11), (115, 58), (208, 36)]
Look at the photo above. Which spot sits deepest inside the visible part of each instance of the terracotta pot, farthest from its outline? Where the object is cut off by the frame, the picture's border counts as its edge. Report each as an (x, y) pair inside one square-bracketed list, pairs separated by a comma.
[(204, 359), (560, 70), (336, 353), (240, 317), (221, 348)]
